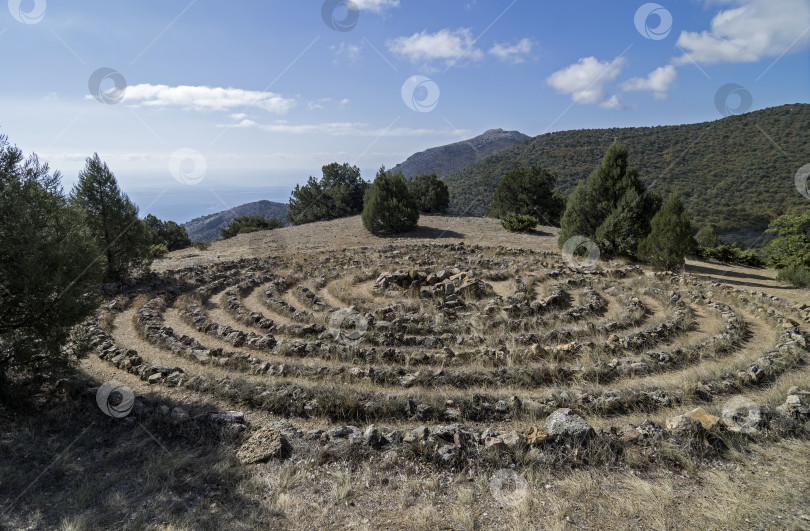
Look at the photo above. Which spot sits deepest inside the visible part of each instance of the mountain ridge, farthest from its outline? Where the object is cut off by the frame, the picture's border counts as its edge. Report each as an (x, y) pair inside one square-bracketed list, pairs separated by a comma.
[(450, 158), (206, 228)]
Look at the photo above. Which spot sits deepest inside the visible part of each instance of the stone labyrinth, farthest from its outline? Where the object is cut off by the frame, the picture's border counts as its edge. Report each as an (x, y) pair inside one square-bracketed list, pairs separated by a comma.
[(464, 344)]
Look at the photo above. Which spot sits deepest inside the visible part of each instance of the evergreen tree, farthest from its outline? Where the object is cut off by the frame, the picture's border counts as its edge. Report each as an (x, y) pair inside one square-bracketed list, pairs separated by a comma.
[(338, 193), (670, 239), (167, 233), (431, 194), (530, 192), (112, 219), (245, 224), (388, 207), (791, 245), (48, 268), (612, 207), (706, 237)]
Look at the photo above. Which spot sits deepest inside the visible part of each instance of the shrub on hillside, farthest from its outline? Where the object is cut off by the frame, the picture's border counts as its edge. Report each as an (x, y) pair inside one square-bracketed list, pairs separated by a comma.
[(519, 222), (388, 207), (795, 274), (791, 245), (431, 194), (158, 250), (528, 191), (706, 237), (731, 254), (202, 246), (245, 224)]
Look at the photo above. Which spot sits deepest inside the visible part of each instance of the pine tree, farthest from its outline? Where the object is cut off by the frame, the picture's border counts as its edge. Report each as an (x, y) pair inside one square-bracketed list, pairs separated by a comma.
[(706, 237), (671, 236), (612, 207), (48, 268), (112, 219), (431, 194), (388, 207), (529, 192), (337, 194)]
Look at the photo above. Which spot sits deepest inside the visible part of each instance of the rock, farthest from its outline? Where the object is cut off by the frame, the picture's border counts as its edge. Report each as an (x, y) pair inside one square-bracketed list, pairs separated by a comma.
[(155, 378), (513, 440), (565, 424), (343, 432), (683, 425), (373, 437), (742, 416), (227, 417), (447, 453), (267, 443), (797, 404), (419, 434), (495, 444), (536, 436), (179, 415), (707, 420)]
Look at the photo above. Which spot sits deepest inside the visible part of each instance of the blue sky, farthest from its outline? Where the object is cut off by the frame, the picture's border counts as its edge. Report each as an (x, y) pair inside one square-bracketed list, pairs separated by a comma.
[(225, 102)]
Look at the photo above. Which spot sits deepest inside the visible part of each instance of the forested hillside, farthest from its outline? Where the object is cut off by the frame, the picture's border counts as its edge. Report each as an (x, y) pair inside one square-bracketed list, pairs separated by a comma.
[(736, 173)]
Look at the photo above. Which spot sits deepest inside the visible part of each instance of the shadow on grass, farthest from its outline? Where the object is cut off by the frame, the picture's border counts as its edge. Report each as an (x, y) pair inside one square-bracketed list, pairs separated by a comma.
[(65, 464)]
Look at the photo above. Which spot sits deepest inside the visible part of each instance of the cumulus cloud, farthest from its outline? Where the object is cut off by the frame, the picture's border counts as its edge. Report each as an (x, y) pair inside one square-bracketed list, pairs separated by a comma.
[(376, 6), (350, 51), (512, 53), (343, 129), (585, 81), (205, 98), (658, 82), (444, 45), (754, 30)]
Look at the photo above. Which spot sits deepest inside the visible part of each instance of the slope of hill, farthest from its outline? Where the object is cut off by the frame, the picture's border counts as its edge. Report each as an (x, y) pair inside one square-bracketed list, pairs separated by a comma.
[(445, 160), (736, 173), (206, 228)]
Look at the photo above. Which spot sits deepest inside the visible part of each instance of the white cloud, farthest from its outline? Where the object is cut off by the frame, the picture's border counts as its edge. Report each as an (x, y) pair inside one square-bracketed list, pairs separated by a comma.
[(376, 6), (513, 53), (444, 45), (344, 102), (753, 30), (343, 129), (204, 98), (349, 51), (585, 81), (318, 104), (658, 82)]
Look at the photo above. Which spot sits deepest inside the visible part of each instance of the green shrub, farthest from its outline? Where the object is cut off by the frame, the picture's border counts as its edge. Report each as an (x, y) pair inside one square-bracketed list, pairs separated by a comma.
[(670, 239), (388, 207), (339, 193), (706, 237), (796, 275), (158, 250), (430, 193), (245, 224), (519, 222), (528, 191), (202, 246), (731, 254)]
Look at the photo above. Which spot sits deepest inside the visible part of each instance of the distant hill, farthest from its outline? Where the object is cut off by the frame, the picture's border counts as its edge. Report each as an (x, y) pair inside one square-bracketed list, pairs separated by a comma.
[(206, 228), (445, 160), (736, 173)]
